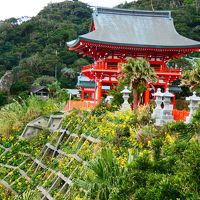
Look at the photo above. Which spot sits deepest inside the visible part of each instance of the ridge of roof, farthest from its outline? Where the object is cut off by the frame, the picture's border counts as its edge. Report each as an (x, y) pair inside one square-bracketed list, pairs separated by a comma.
[(132, 12)]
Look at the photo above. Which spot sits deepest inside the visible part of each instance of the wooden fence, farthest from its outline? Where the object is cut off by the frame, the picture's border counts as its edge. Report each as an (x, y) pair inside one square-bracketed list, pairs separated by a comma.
[(180, 114), (83, 105)]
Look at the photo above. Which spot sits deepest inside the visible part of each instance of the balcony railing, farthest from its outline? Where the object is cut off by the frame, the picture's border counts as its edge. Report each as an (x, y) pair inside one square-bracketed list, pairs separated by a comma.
[(101, 66), (169, 70), (105, 66)]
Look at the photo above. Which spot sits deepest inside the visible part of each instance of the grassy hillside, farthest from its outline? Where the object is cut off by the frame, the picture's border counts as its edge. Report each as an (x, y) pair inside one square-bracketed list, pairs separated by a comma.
[(104, 155)]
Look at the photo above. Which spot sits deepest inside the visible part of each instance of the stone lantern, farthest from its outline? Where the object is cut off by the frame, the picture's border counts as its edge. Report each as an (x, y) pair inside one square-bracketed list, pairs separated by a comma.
[(126, 92), (168, 108), (109, 99), (158, 110), (193, 106), (158, 99)]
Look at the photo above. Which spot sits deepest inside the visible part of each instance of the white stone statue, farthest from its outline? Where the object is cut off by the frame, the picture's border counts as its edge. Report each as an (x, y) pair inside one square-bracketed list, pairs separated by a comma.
[(168, 108), (125, 93), (193, 106)]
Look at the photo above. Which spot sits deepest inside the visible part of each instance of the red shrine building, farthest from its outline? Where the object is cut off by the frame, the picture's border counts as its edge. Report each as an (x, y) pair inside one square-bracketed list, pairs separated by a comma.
[(119, 34)]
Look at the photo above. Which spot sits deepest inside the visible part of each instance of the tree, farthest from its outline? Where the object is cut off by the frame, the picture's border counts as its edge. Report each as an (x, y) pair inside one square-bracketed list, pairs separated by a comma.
[(136, 74), (54, 88), (191, 78), (44, 81), (3, 98), (105, 178), (28, 195)]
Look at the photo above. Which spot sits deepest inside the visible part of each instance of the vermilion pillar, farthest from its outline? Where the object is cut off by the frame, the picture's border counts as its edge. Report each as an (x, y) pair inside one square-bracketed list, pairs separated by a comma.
[(166, 85), (99, 91), (147, 95), (82, 93)]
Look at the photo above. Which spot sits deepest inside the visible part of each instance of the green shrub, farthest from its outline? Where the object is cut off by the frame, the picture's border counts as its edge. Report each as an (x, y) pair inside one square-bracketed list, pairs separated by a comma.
[(3, 98)]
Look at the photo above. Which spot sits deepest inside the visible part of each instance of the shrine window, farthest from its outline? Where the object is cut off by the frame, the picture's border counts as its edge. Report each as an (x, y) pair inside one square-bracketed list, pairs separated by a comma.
[(112, 65), (156, 67)]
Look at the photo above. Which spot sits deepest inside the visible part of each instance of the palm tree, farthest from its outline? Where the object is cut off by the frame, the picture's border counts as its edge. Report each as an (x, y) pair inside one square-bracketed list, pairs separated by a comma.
[(191, 78), (137, 73), (104, 177), (28, 195)]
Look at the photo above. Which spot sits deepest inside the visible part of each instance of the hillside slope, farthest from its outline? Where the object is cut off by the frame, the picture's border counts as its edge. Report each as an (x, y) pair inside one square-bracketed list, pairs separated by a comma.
[(104, 155), (36, 47)]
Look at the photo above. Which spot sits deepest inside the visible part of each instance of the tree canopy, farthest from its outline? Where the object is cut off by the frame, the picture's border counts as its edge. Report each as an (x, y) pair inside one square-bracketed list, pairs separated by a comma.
[(37, 47)]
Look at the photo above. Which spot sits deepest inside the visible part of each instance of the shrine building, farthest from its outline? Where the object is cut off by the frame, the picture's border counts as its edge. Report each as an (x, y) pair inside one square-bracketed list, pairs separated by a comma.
[(119, 34)]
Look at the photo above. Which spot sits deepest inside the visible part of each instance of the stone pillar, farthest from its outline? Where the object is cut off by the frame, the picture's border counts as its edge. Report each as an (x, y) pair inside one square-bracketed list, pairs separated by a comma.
[(168, 107), (193, 106), (125, 93), (158, 110)]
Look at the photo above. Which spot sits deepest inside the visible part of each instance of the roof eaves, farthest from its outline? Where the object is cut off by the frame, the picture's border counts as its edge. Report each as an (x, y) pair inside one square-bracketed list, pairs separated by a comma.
[(137, 45), (73, 43)]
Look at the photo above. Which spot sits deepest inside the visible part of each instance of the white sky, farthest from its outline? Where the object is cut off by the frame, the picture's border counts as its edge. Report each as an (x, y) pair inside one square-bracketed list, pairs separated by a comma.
[(19, 8)]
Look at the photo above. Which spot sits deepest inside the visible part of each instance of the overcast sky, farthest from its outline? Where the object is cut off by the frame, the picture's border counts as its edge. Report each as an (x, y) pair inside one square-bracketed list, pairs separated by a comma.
[(19, 8)]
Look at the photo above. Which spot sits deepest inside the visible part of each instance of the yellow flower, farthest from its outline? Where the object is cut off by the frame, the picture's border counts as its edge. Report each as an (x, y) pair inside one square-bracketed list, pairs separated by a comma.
[(169, 139), (149, 143)]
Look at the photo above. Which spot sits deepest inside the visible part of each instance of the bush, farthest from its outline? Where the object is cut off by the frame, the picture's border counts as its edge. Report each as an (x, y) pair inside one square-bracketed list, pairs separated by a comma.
[(15, 115), (3, 98)]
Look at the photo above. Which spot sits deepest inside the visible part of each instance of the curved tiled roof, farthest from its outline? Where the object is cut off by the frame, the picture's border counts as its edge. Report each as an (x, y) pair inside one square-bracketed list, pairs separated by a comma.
[(135, 28)]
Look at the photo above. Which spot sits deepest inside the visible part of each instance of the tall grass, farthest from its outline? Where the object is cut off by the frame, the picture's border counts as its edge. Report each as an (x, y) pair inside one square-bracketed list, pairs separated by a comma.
[(14, 116)]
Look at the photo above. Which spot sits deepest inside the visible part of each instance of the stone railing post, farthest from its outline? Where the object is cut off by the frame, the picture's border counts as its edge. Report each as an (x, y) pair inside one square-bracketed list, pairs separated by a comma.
[(193, 106), (125, 93)]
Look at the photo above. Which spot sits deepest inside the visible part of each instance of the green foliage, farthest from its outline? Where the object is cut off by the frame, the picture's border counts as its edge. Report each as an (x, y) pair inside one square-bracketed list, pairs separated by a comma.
[(16, 114), (137, 160), (56, 92), (44, 81), (3, 98), (196, 117), (180, 63), (105, 178), (136, 74), (38, 47), (145, 162), (28, 195), (191, 78)]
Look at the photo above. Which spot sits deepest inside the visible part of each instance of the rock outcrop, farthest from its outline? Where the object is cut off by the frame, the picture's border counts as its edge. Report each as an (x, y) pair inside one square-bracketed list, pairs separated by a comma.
[(6, 82)]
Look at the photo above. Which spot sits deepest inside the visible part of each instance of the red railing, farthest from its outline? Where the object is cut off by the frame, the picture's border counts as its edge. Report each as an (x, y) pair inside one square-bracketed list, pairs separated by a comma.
[(104, 66), (169, 70), (101, 66), (82, 105), (180, 114), (88, 67)]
